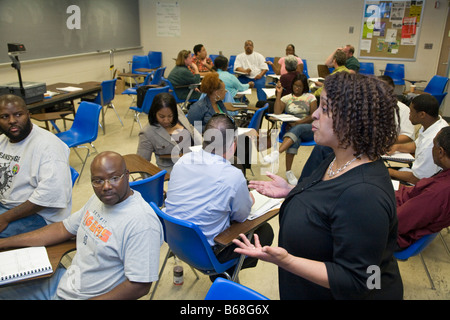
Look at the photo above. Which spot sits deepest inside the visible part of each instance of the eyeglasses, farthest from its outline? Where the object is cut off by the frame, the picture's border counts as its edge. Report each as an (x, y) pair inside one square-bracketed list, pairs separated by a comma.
[(97, 183)]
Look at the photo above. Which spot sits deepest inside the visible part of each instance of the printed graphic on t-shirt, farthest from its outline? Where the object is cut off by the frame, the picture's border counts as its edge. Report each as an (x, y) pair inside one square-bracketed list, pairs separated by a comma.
[(5, 177), (96, 226)]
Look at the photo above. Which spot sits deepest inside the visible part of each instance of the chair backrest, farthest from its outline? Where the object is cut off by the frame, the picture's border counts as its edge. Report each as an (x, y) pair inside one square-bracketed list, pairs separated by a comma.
[(436, 85), (108, 92), (158, 76), (154, 59), (255, 122), (172, 90), (151, 188), (270, 71), (188, 243), (223, 289), (416, 248), (231, 63), (366, 68), (322, 70), (86, 120), (213, 57), (396, 71), (305, 68), (74, 174), (150, 95), (139, 62)]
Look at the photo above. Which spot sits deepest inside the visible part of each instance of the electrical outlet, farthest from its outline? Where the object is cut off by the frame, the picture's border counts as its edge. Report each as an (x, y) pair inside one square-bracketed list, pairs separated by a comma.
[(350, 29)]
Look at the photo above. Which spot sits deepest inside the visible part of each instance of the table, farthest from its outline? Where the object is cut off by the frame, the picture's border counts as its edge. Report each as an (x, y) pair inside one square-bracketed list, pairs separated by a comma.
[(247, 227), (137, 164), (87, 88), (226, 237)]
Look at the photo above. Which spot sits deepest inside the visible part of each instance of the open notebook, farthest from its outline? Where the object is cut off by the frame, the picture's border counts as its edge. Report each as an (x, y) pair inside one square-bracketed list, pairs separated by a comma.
[(262, 205), (23, 263)]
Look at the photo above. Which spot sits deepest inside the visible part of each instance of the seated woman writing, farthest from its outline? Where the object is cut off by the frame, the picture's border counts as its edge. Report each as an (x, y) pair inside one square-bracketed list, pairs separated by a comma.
[(301, 104), (168, 133)]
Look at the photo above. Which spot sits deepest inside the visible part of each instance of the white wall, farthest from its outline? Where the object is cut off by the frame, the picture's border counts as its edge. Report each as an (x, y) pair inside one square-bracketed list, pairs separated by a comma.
[(316, 28)]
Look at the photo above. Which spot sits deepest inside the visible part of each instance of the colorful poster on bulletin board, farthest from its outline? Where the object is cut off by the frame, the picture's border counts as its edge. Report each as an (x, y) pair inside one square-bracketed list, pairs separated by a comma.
[(390, 29)]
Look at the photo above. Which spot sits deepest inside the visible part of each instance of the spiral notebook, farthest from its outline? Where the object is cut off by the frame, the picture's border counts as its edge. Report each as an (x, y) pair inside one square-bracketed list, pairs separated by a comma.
[(23, 263)]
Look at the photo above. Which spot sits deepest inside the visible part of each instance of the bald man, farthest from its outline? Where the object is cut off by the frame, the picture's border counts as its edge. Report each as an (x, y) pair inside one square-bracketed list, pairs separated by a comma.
[(118, 241)]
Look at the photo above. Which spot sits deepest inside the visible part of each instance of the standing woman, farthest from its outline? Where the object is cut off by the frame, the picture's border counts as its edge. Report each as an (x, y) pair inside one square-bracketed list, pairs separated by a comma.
[(338, 227), (167, 134)]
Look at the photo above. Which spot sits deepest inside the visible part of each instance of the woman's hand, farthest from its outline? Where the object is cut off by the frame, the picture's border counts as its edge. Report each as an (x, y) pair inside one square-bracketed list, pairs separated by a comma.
[(270, 254), (276, 188)]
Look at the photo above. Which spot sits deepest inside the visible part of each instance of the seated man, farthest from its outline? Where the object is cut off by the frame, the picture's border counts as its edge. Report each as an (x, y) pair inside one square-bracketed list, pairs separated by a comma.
[(407, 131), (351, 63), (254, 67), (207, 190), (424, 110), (338, 62), (424, 208), (35, 182), (118, 242)]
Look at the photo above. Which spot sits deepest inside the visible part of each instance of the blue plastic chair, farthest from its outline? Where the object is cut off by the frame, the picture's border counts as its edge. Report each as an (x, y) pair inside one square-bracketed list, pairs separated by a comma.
[(366, 68), (108, 93), (223, 289), (255, 122), (213, 57), (84, 129), (74, 174), (283, 131), (188, 243), (154, 59), (305, 68), (183, 103), (147, 103), (436, 87), (140, 62), (397, 72), (231, 64), (270, 71), (416, 249), (151, 188)]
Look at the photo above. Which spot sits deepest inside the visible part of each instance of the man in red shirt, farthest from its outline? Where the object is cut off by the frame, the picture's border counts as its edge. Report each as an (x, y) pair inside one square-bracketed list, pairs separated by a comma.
[(425, 208)]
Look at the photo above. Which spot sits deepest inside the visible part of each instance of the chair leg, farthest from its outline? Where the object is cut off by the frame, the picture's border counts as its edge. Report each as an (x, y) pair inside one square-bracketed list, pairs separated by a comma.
[(428, 273), (84, 162), (114, 108), (136, 119), (445, 243)]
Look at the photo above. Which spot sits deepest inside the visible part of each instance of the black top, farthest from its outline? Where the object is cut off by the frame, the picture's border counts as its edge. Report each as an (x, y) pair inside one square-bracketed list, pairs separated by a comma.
[(350, 223)]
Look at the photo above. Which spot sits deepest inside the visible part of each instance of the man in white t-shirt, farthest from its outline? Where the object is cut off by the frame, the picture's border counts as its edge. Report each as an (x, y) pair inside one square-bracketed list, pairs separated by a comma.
[(424, 110), (35, 181), (118, 242), (252, 66)]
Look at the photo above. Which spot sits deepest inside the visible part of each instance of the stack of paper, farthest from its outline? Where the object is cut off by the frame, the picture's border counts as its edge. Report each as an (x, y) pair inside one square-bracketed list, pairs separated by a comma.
[(283, 117), (262, 205)]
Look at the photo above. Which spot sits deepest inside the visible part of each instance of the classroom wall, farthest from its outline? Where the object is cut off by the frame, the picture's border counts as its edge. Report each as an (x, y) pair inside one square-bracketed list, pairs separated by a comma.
[(316, 28)]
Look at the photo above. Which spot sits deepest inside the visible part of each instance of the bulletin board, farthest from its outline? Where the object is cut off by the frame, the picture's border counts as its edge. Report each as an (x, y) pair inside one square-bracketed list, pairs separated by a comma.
[(390, 29)]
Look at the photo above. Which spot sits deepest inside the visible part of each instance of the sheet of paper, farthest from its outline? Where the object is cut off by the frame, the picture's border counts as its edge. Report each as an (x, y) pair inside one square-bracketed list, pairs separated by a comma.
[(69, 89), (262, 205)]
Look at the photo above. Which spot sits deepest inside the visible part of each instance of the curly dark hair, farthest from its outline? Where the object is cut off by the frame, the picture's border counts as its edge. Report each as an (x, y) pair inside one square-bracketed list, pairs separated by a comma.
[(364, 111)]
